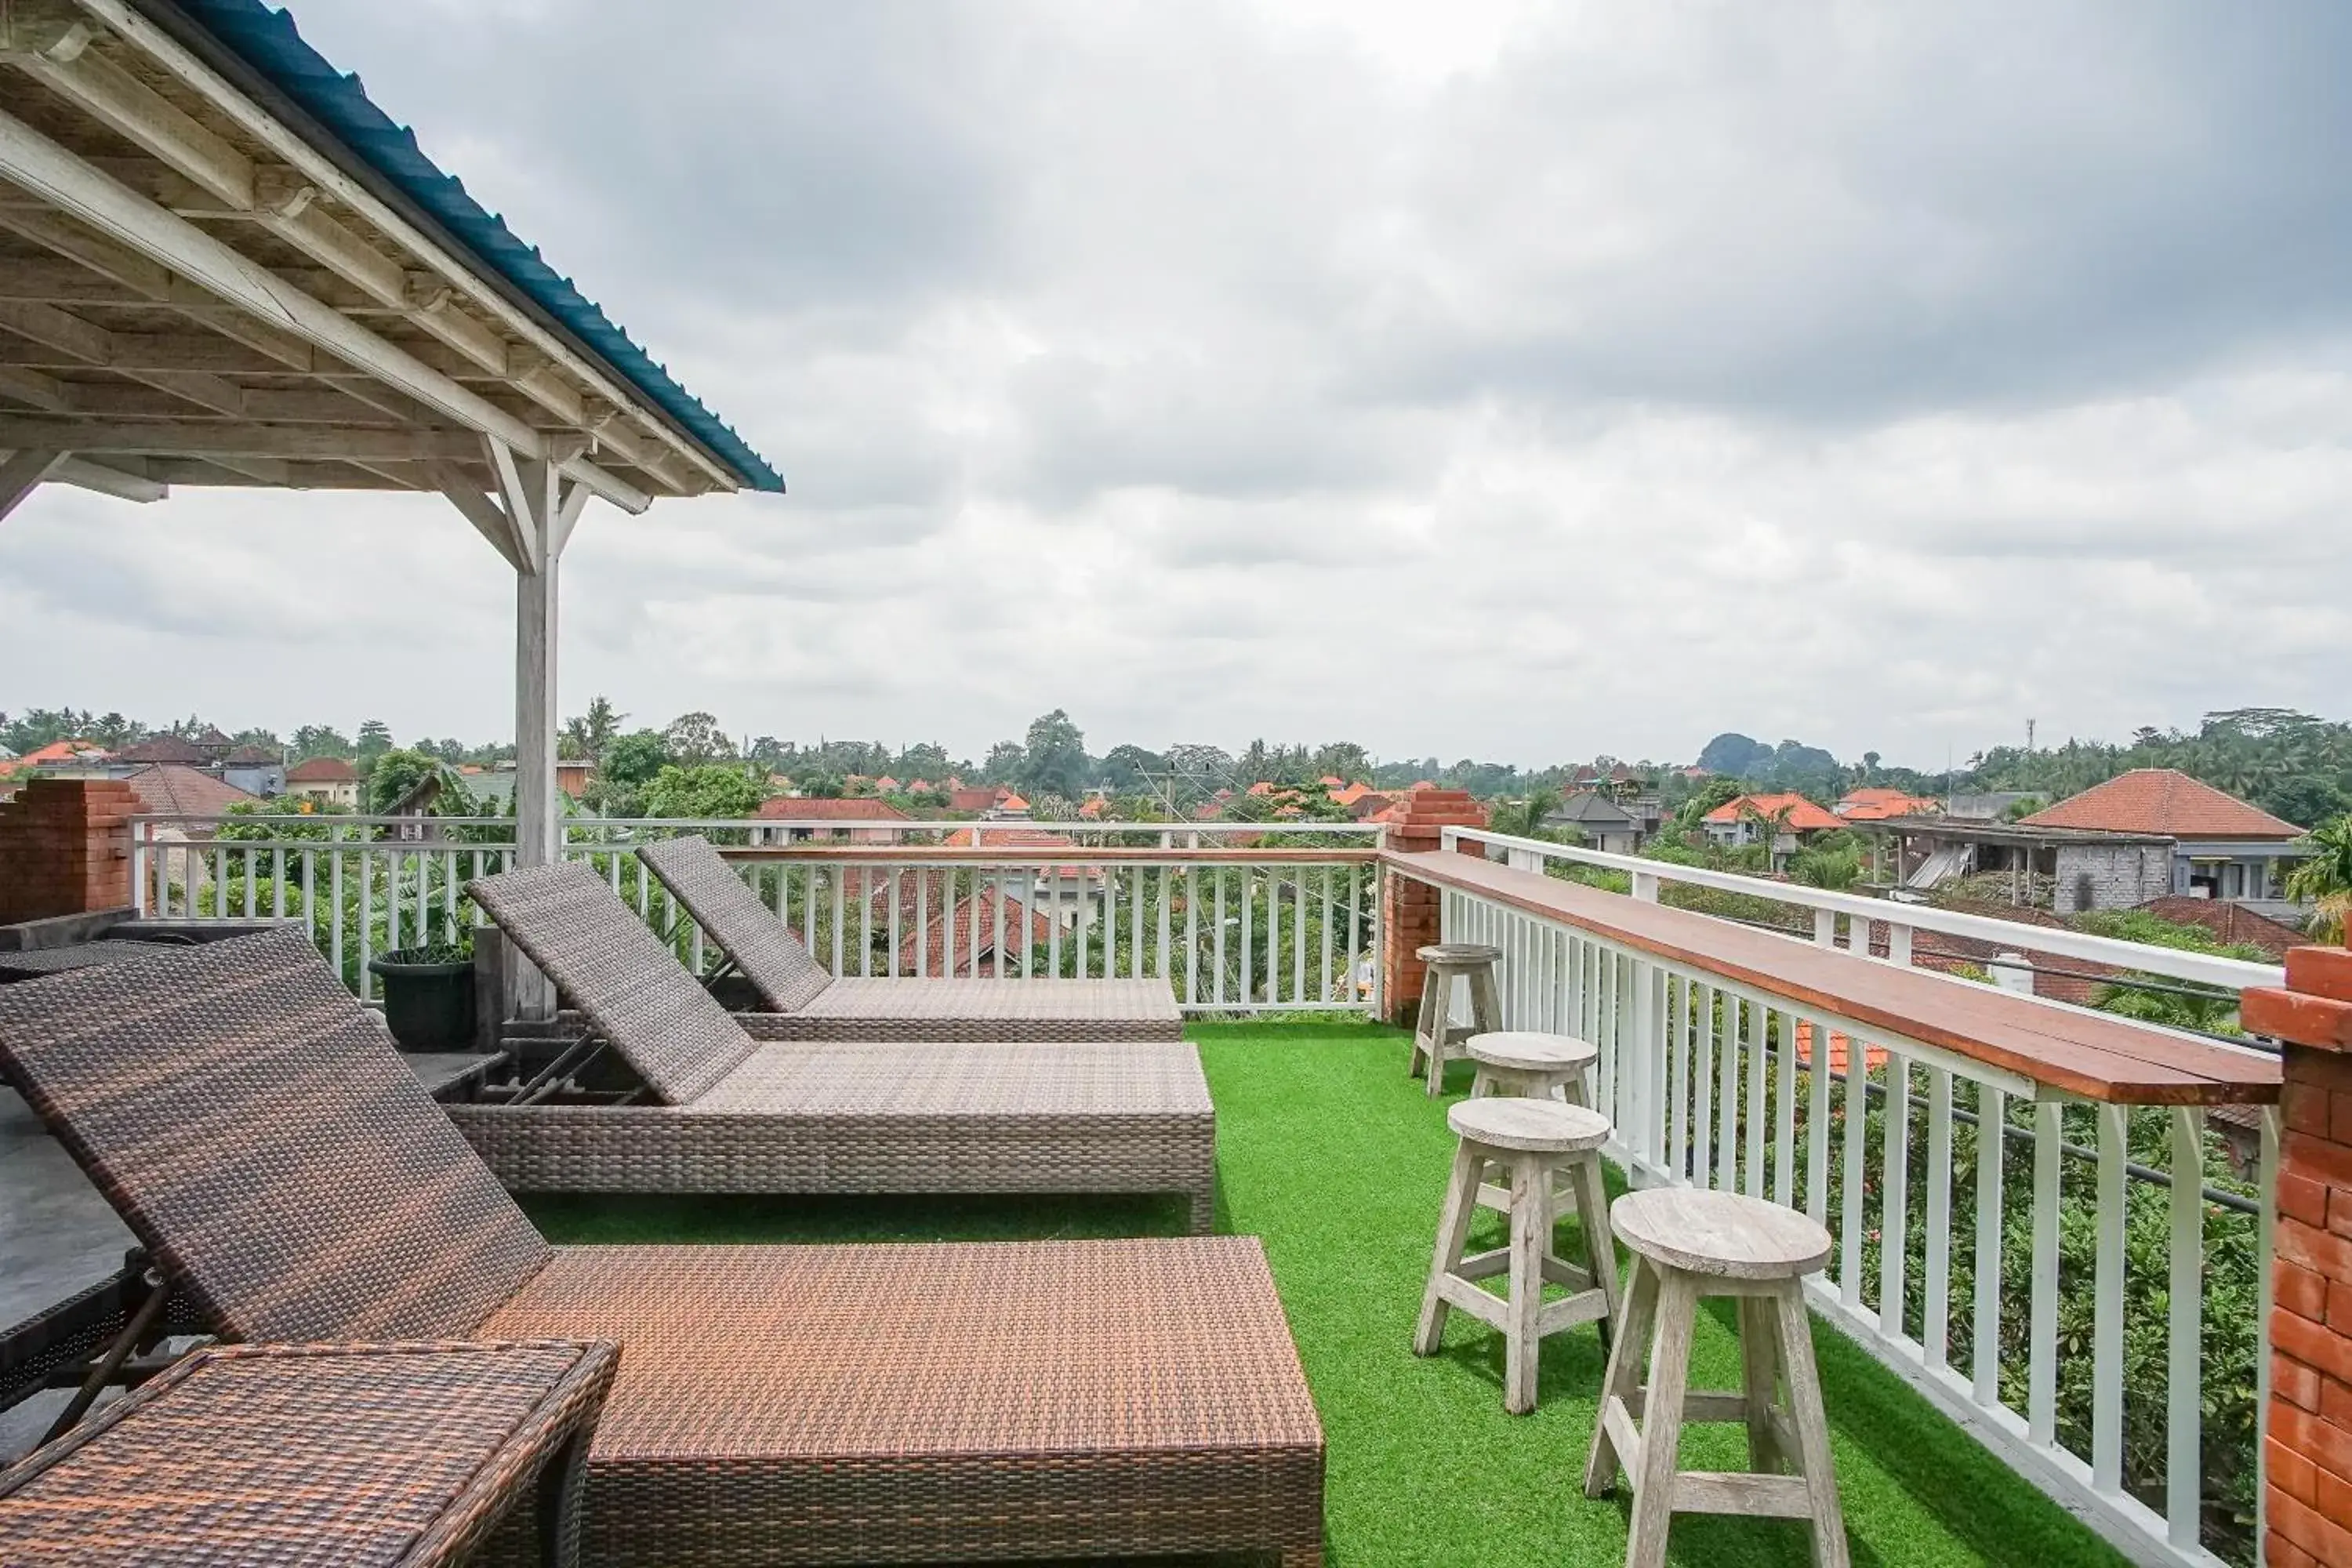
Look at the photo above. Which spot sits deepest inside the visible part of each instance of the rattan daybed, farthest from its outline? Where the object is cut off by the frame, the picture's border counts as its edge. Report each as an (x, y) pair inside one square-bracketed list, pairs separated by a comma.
[(854, 1115), (807, 1002), (774, 1405)]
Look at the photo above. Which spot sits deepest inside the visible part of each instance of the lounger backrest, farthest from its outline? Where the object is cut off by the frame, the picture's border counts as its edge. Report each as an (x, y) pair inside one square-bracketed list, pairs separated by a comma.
[(253, 1125), (632, 989), (731, 913)]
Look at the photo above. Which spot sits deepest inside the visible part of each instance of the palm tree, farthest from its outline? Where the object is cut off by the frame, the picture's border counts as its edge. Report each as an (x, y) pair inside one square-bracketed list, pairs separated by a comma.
[(2326, 879), (1524, 818)]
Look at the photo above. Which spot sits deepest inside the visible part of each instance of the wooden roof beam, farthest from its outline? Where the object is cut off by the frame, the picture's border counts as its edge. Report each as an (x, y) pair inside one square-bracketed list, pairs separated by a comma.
[(129, 221), (225, 439)]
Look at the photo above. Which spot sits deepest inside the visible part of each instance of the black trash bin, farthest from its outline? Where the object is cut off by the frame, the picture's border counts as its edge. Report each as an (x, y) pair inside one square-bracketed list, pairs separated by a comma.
[(428, 996)]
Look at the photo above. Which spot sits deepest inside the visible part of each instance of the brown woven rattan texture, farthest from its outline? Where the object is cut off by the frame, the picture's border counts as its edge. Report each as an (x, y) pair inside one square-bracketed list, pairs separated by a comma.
[(290, 1455), (770, 956), (40, 960), (886, 1117), (938, 1402), (614, 969), (785, 1405), (865, 1008), (254, 1128)]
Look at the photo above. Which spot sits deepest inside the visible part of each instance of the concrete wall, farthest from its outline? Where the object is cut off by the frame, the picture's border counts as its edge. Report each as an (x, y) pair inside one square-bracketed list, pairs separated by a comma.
[(2121, 876)]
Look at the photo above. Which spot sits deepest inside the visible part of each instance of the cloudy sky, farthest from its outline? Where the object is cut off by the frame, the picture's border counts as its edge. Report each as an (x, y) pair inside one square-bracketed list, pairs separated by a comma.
[(1520, 381)]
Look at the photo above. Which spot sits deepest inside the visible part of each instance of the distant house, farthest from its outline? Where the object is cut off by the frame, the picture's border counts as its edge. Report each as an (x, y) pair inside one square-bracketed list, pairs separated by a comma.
[(971, 801), (214, 745), (1742, 820), (257, 770), (328, 779), (1875, 805), (2223, 847), (175, 789), (806, 814), (1604, 823), (962, 942), (162, 749), (573, 774)]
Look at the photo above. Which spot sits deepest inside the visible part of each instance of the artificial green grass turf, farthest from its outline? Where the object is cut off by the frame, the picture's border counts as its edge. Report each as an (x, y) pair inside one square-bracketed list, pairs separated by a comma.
[(1327, 1150)]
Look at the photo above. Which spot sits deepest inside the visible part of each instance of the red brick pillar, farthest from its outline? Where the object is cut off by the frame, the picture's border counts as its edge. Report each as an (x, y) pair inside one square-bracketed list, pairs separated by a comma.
[(65, 849), (2307, 1429), (1409, 909)]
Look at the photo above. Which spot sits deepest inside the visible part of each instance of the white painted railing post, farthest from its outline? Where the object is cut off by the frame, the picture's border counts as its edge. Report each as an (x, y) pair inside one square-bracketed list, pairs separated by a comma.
[(1645, 887)]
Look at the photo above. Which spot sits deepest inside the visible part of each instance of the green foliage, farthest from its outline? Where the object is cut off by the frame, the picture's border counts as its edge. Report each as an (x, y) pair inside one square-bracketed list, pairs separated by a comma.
[(2326, 879), (631, 761), (710, 789), (1053, 759), (319, 822), (1826, 865), (696, 738), (588, 734), (397, 773)]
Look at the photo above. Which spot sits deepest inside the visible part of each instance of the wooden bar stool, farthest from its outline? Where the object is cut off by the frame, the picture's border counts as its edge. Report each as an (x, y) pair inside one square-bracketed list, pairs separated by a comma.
[(1524, 1065), (1688, 1243), (1533, 1139), (1530, 1065), (1435, 1037)]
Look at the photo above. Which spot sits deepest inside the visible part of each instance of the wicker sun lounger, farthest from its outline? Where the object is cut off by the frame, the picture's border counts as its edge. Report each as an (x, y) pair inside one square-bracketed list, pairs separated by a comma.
[(807, 1002), (857, 1116), (369, 1456), (773, 1405)]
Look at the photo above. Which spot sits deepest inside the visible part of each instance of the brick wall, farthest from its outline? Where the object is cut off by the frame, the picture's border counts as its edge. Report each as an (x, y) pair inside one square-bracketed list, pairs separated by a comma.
[(65, 849), (2307, 1429), (1409, 909)]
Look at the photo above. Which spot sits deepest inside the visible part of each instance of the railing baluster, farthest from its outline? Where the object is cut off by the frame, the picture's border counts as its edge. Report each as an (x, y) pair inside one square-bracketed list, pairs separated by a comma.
[(335, 897), (1217, 939), (2041, 1368), (1249, 936), (1857, 1123), (1894, 1197), (367, 919), (1786, 1105), (1727, 1112), (2108, 1302), (1936, 1307), (1757, 1117), (1298, 936), (1053, 933), (1191, 937), (837, 875), (1678, 1086), (1817, 1125), (2184, 1458), (250, 907), (1085, 913), (1984, 1355)]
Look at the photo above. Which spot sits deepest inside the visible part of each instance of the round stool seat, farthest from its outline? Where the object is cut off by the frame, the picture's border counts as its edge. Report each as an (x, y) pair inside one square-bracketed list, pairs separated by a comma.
[(1529, 1126), (1727, 1234), (1524, 1050), (1458, 952)]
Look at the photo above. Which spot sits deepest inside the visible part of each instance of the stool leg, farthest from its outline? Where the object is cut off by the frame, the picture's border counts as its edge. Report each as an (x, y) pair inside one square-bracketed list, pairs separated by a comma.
[(1812, 1428), (1453, 1235), (1441, 1026), (1430, 984), (1601, 1247), (1759, 1360), (1530, 1239), (1622, 1380), (1661, 1423), (1485, 1007)]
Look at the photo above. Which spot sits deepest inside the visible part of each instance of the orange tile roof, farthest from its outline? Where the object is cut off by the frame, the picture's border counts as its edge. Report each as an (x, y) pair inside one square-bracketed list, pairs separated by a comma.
[(1875, 805), (2163, 801), (62, 752), (1008, 801), (1350, 794), (1261, 788), (1803, 815), (322, 770), (1873, 1056)]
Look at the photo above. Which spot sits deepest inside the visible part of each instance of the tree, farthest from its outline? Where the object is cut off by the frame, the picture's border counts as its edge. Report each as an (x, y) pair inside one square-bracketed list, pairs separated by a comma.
[(1004, 762), (1125, 770), (2324, 879), (375, 738), (707, 789), (1732, 753), (1055, 759), (1524, 817), (396, 773), (322, 741), (592, 732), (696, 738), (631, 761)]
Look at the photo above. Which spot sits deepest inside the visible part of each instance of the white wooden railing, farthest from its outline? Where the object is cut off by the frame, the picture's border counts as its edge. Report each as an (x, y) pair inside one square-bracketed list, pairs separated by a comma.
[(1288, 925), (1723, 1082)]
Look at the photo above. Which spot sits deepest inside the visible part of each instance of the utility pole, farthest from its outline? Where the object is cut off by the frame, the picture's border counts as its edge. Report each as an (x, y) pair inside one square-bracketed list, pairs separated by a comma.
[(2029, 737)]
